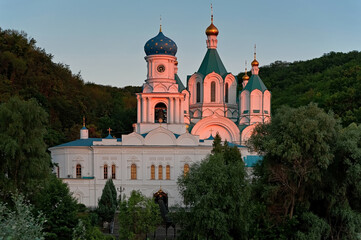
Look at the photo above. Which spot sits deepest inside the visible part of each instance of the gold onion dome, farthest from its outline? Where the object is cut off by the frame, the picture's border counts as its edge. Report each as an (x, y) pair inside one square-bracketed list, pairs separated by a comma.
[(255, 63), (212, 30), (245, 77)]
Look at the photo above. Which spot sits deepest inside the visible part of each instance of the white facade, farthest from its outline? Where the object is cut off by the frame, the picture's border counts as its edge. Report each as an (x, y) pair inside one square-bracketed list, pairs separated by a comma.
[(175, 127)]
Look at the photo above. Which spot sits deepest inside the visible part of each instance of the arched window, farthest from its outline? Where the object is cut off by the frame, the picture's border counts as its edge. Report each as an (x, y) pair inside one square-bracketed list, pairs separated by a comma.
[(213, 92), (133, 172), (160, 172), (186, 169), (113, 171), (152, 172), (167, 172), (105, 171), (198, 92), (160, 113), (226, 93), (78, 171)]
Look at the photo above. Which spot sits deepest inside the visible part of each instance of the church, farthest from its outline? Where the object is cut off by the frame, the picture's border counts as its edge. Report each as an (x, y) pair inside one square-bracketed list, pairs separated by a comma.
[(175, 127)]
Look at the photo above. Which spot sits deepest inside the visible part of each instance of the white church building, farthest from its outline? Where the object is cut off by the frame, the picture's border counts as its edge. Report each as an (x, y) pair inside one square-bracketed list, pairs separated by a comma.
[(175, 127)]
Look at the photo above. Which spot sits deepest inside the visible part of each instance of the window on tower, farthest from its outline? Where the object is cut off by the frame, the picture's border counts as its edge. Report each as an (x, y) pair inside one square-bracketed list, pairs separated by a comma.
[(213, 92), (198, 92), (226, 93), (160, 113)]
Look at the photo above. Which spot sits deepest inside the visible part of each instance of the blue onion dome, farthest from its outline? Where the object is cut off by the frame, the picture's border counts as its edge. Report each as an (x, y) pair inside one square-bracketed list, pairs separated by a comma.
[(160, 44)]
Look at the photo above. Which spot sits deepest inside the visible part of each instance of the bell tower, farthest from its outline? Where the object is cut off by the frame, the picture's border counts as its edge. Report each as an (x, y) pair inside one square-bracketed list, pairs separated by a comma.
[(162, 101)]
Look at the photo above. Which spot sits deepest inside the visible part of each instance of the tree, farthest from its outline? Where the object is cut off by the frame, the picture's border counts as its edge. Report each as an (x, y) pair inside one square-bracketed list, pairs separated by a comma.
[(138, 216), (108, 202), (20, 223), (216, 194), (59, 208), (24, 160), (298, 148)]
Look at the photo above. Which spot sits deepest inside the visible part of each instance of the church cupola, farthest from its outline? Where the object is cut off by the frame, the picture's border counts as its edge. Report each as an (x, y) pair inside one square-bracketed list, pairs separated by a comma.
[(212, 33), (84, 133), (160, 44), (245, 77), (255, 63)]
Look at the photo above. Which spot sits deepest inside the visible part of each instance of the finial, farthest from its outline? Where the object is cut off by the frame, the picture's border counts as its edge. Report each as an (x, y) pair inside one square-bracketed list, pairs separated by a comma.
[(83, 121), (109, 130), (160, 20), (245, 64), (254, 51), (211, 13)]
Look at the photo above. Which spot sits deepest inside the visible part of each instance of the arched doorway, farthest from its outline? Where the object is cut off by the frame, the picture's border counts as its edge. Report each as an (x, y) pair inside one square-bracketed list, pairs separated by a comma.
[(161, 198), (160, 113)]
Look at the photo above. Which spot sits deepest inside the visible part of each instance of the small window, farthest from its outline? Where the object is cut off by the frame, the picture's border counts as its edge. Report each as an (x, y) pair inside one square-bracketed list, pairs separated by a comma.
[(113, 171), (226, 93), (167, 172), (58, 171), (133, 172), (160, 172), (78, 171), (152, 172), (213, 92), (186, 169), (198, 92), (105, 171)]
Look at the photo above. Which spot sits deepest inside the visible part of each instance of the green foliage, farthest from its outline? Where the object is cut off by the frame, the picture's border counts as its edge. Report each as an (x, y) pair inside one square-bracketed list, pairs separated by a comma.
[(24, 161), (108, 202), (59, 208), (217, 196), (29, 72), (138, 216), (20, 223), (333, 81), (297, 147)]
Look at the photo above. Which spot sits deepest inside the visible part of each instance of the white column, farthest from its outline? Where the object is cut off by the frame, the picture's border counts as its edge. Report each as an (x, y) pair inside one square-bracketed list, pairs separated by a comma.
[(176, 117), (139, 112), (149, 118), (144, 110), (170, 110), (181, 120)]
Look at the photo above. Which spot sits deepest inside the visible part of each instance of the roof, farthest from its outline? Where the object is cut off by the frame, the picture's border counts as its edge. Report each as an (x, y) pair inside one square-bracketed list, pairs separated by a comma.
[(179, 82), (212, 63), (83, 142), (160, 44), (83, 128), (251, 160), (255, 82)]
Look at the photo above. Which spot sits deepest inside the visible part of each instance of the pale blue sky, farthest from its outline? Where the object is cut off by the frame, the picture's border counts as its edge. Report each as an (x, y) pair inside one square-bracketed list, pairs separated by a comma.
[(104, 40)]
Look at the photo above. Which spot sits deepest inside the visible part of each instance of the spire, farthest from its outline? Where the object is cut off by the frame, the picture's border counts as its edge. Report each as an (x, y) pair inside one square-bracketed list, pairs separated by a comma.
[(255, 63), (245, 77), (160, 23)]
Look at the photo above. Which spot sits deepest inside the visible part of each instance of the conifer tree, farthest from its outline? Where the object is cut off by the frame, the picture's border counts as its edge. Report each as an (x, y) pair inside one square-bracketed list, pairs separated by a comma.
[(107, 203)]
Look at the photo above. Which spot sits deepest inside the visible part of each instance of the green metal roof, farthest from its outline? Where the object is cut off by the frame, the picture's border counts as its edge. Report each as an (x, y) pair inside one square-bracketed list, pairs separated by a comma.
[(179, 82), (212, 63), (255, 82)]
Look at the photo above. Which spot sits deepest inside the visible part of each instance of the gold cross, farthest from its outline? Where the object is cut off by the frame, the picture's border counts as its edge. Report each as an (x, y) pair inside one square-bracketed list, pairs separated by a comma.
[(109, 129)]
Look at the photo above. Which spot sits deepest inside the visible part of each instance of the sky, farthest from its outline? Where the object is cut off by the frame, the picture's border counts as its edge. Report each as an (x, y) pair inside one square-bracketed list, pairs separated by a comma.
[(104, 39)]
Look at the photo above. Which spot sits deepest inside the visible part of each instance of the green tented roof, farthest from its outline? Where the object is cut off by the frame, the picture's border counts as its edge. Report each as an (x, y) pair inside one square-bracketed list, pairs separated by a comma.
[(179, 82), (255, 82), (212, 63)]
